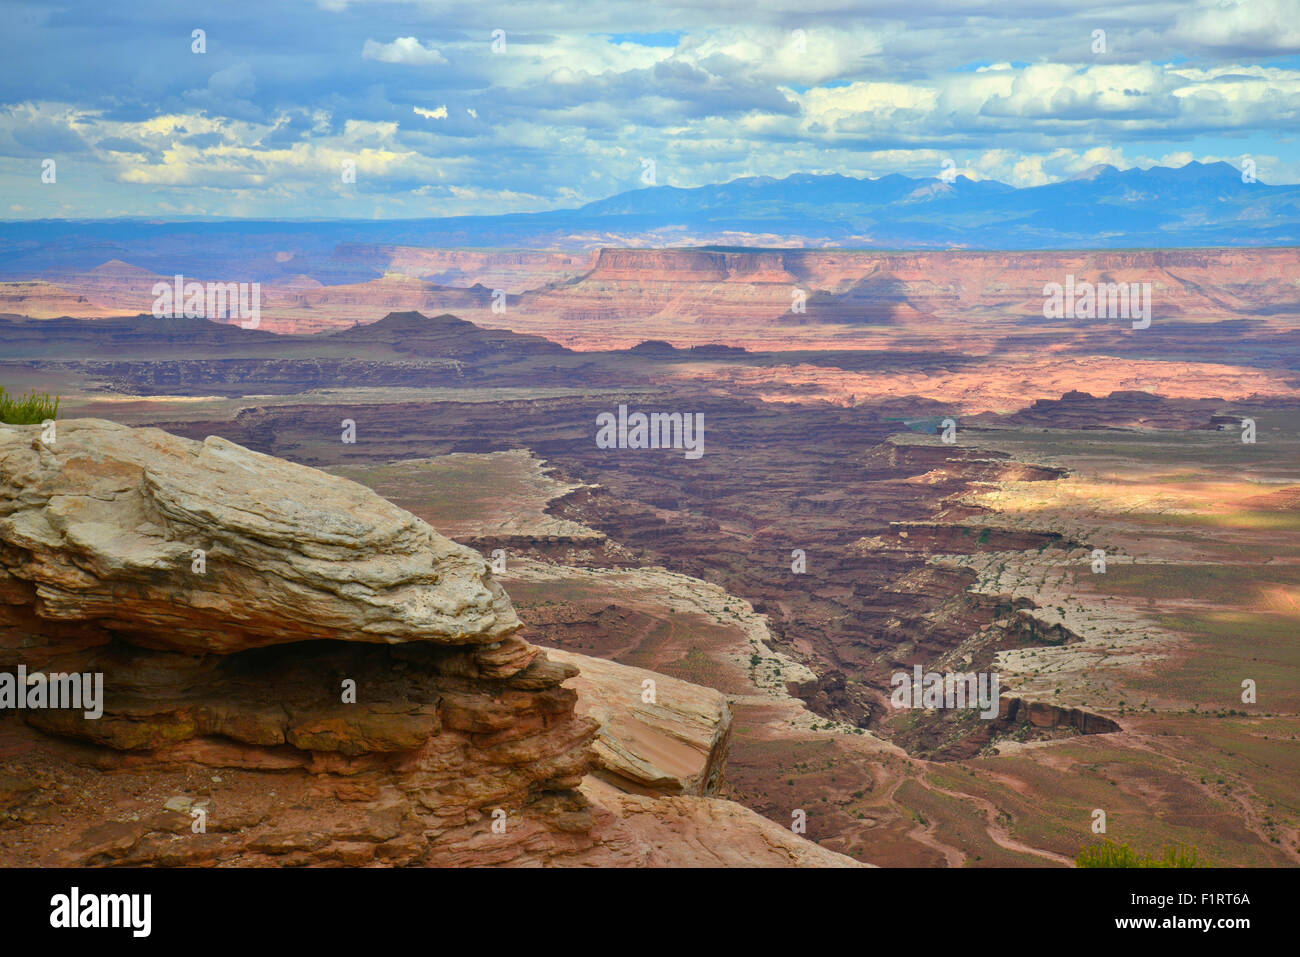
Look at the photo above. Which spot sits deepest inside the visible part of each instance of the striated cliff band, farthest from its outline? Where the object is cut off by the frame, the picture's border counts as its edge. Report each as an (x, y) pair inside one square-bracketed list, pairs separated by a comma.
[(275, 666), (759, 298)]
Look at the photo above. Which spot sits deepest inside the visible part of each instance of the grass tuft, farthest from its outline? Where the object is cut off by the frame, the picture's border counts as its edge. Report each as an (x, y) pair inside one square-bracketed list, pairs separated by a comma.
[(29, 410)]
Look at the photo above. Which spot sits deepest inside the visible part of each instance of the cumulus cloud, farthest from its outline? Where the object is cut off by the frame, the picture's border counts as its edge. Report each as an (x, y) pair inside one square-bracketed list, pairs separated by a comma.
[(406, 50), (1243, 27)]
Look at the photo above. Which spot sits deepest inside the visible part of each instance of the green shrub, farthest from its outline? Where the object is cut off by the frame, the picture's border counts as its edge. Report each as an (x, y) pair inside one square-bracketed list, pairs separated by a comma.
[(29, 410), (1110, 854)]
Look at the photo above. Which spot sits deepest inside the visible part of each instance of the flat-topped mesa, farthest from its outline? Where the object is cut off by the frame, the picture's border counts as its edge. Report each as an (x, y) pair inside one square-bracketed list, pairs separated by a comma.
[(691, 265), (210, 547)]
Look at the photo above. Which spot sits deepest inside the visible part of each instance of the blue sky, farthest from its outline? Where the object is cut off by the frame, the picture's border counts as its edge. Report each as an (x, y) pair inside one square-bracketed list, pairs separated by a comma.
[(439, 122)]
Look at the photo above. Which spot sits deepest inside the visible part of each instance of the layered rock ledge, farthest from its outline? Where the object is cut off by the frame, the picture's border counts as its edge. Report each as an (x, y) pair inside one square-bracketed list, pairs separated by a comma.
[(297, 672), (658, 735)]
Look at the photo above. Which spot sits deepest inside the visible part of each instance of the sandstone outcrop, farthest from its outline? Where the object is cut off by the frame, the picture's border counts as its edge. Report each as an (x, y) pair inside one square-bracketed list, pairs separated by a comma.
[(675, 744), (297, 672), (226, 549), (687, 831), (1043, 714)]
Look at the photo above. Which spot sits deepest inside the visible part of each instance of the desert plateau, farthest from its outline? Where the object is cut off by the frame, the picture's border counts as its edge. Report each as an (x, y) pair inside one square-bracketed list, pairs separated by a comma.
[(834, 458), (828, 537)]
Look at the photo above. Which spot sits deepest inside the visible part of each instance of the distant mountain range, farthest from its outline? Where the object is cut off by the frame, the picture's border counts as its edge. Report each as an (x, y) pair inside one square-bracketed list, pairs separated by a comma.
[(1101, 208)]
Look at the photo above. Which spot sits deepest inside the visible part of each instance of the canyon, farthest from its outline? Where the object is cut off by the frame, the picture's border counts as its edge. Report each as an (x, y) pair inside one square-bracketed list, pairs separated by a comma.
[(918, 470)]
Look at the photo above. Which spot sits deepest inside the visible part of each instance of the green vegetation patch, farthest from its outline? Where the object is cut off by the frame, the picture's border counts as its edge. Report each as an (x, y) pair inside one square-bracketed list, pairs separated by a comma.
[(1110, 854), (32, 409)]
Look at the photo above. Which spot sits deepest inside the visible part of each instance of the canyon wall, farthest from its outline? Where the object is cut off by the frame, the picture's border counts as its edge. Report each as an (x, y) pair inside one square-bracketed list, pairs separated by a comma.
[(851, 286), (564, 295)]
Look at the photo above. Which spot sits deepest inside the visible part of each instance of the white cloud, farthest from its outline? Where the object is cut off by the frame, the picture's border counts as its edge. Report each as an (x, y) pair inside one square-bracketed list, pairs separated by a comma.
[(1258, 25), (406, 50), (439, 114)]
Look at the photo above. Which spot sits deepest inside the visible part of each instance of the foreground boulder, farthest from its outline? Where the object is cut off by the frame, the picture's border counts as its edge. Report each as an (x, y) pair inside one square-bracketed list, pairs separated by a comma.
[(673, 744), (295, 671), (209, 547)]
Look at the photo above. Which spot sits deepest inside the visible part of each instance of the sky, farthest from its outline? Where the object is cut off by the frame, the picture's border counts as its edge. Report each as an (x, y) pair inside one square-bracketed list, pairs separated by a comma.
[(481, 108)]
